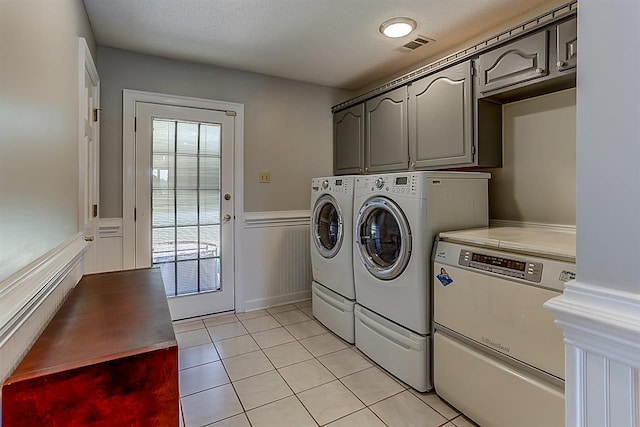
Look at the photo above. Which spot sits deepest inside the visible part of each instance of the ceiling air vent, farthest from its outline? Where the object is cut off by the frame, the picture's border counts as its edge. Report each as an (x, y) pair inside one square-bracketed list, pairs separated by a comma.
[(415, 43)]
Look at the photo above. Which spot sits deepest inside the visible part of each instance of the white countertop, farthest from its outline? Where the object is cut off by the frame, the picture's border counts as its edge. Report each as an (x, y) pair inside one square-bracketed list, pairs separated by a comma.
[(548, 243)]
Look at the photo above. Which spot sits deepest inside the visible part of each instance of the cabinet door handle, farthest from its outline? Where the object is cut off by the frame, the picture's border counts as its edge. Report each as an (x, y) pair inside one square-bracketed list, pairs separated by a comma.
[(561, 64), (539, 70)]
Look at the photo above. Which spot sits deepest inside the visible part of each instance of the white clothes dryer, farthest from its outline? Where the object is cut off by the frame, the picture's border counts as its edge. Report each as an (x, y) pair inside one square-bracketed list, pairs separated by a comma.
[(396, 218), (333, 289)]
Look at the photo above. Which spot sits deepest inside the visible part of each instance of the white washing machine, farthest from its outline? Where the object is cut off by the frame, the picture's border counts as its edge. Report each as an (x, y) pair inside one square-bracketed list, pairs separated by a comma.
[(498, 356), (333, 290), (396, 218)]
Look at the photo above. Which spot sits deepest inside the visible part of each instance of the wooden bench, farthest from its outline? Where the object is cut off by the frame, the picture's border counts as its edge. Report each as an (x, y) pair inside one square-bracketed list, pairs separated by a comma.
[(109, 357)]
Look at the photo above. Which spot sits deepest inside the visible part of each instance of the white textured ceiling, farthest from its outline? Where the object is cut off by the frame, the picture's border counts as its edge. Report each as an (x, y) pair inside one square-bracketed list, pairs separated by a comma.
[(328, 42)]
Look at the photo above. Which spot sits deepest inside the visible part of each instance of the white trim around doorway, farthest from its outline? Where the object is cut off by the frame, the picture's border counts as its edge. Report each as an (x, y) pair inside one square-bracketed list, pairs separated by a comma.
[(129, 99)]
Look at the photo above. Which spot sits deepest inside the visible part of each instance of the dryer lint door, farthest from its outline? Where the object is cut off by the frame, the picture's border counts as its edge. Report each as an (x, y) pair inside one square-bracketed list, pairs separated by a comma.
[(383, 238), (327, 227)]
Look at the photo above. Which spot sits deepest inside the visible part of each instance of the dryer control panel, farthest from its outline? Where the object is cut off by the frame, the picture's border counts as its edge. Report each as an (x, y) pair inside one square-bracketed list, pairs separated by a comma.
[(332, 185), (518, 268)]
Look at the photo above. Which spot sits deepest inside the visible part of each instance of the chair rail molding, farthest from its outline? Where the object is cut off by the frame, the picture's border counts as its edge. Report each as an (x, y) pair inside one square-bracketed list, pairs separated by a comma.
[(601, 329), (31, 296), (276, 218)]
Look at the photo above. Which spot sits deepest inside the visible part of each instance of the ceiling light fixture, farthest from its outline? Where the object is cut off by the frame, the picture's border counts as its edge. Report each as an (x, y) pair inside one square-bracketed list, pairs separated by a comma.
[(398, 27)]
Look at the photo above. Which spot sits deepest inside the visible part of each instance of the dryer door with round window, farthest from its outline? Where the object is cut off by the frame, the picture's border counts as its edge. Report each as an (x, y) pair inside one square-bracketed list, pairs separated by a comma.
[(326, 230), (383, 238)]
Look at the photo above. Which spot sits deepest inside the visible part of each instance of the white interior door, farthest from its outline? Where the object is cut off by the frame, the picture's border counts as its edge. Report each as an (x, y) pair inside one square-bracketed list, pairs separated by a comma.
[(184, 209), (88, 152)]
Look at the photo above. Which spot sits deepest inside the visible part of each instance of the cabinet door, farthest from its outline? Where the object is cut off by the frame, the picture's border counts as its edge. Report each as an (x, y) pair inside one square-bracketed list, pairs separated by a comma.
[(567, 45), (348, 140), (516, 62), (440, 118), (386, 147)]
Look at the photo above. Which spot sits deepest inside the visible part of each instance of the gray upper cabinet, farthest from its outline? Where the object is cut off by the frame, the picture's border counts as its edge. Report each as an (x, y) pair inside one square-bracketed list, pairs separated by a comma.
[(448, 114), (516, 62), (567, 45), (348, 141), (441, 120), (386, 140)]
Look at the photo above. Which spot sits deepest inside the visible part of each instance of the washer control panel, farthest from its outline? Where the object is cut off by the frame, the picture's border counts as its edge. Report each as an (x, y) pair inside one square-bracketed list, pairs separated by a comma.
[(520, 269), (402, 184), (332, 185)]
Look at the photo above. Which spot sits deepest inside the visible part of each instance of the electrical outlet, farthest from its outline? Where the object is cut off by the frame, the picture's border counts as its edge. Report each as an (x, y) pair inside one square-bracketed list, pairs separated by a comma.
[(264, 177)]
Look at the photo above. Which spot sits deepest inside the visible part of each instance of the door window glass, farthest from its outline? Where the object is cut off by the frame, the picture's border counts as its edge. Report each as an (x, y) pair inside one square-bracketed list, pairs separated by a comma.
[(186, 205), (383, 237), (328, 226)]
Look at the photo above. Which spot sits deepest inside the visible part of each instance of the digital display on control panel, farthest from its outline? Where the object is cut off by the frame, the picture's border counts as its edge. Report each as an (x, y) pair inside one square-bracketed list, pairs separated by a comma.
[(338, 182), (401, 180), (499, 261)]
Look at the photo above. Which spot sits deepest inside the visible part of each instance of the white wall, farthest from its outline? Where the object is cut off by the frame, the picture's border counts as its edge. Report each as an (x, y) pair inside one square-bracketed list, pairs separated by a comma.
[(38, 166), (599, 312), (537, 182), (608, 151), (288, 124), (38, 126)]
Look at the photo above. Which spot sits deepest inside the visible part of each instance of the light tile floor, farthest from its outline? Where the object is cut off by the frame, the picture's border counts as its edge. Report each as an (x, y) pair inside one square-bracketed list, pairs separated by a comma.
[(279, 367)]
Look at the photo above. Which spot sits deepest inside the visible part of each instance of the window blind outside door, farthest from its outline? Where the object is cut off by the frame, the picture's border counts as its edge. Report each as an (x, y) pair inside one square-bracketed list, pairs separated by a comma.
[(185, 201)]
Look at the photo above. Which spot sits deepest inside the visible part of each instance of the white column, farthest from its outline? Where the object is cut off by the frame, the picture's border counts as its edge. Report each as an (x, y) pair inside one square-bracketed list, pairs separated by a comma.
[(600, 312)]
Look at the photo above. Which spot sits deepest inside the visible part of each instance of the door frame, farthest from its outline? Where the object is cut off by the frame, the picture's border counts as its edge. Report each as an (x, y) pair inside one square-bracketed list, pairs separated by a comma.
[(88, 176), (129, 100)]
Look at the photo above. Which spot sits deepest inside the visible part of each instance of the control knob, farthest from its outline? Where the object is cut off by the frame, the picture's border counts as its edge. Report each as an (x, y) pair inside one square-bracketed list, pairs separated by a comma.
[(379, 183), (325, 184)]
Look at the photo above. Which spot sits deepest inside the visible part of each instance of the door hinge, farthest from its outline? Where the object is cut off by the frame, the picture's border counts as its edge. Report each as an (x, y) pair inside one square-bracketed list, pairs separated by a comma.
[(230, 113), (95, 114), (135, 124), (95, 211), (135, 214)]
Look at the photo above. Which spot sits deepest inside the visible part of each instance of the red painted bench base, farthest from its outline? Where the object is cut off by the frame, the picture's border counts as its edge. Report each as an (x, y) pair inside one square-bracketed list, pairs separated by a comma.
[(108, 358)]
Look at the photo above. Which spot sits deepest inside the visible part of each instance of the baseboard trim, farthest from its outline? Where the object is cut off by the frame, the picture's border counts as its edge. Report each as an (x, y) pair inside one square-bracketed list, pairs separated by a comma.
[(260, 303), (276, 219)]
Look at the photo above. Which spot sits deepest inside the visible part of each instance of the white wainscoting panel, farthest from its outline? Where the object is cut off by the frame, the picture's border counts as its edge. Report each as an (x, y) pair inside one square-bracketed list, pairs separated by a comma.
[(602, 338), (109, 245), (30, 298), (276, 264)]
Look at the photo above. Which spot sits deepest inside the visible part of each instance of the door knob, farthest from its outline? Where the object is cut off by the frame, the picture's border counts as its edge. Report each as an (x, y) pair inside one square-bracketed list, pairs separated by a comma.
[(227, 217), (227, 196)]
